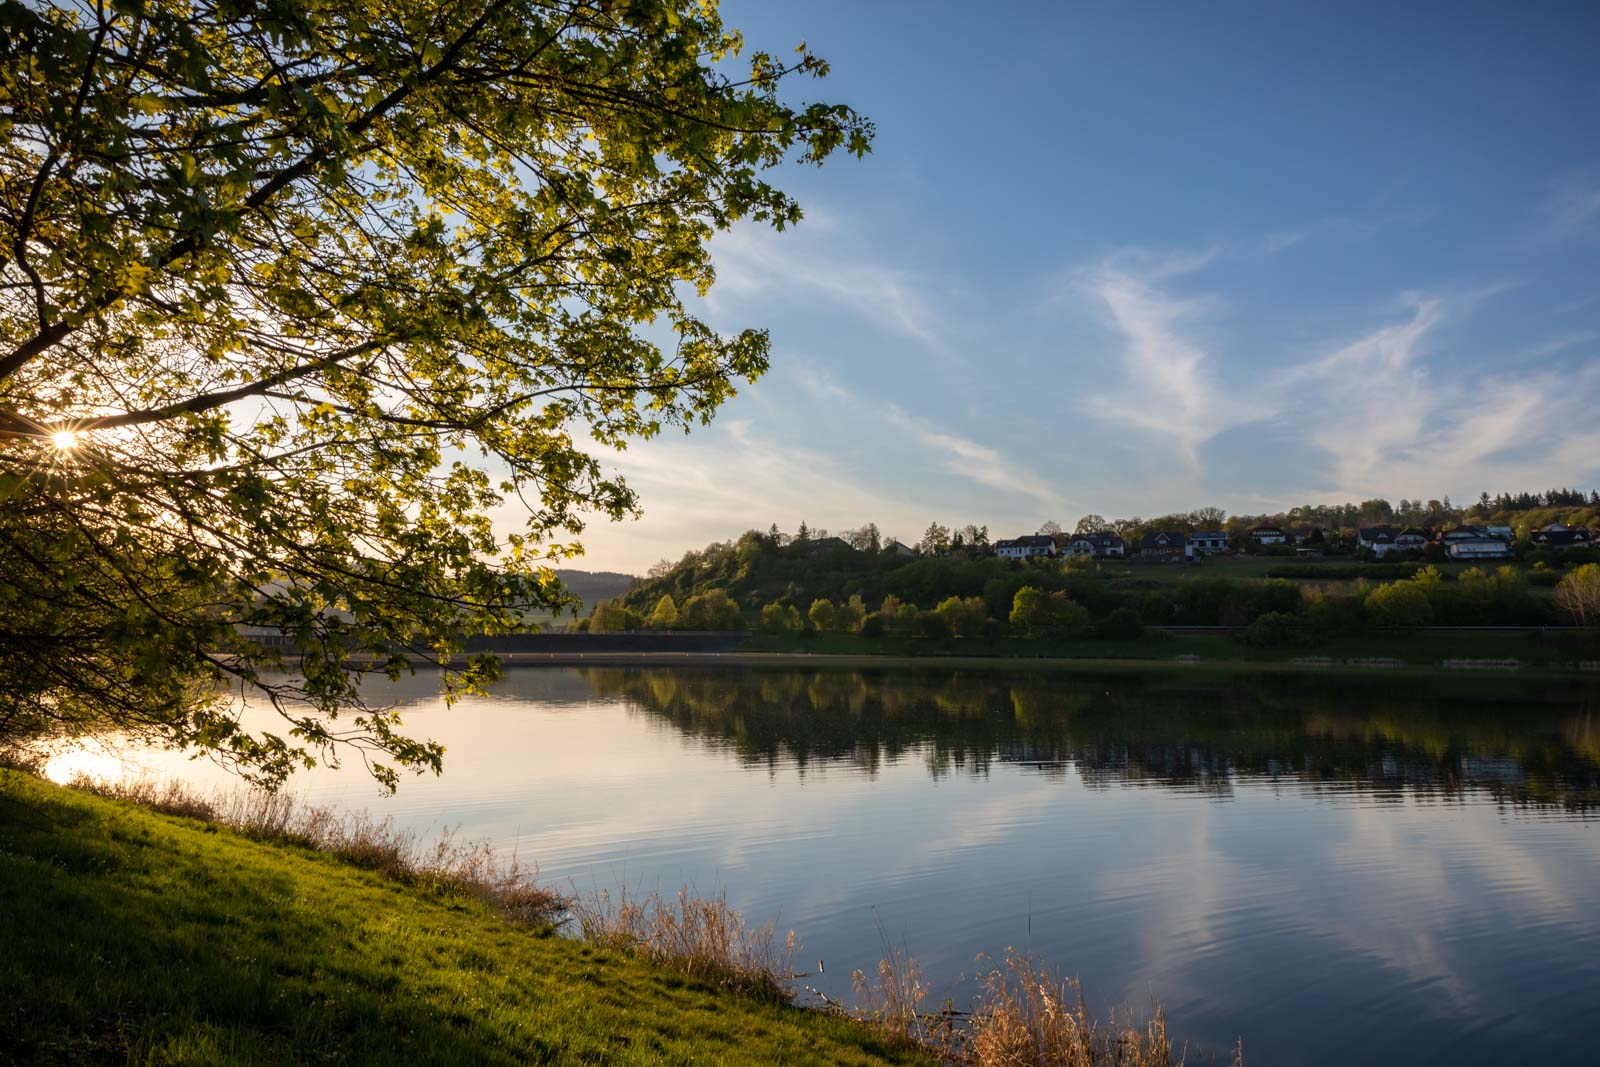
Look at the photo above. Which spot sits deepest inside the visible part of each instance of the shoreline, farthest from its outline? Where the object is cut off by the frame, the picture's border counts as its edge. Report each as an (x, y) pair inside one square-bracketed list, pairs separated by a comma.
[(1062, 664)]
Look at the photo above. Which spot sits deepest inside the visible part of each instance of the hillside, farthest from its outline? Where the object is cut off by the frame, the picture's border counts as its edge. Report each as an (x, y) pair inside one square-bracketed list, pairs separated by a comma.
[(133, 937), (594, 586)]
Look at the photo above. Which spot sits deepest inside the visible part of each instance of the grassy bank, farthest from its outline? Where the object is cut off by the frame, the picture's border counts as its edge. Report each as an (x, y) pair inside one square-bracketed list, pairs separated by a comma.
[(1424, 650), (132, 936)]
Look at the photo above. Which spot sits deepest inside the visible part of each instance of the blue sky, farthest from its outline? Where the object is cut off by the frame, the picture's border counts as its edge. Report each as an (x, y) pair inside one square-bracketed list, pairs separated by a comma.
[(1132, 259)]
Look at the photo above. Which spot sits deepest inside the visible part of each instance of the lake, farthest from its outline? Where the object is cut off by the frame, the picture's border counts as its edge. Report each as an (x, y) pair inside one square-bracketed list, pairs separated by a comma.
[(1368, 869)]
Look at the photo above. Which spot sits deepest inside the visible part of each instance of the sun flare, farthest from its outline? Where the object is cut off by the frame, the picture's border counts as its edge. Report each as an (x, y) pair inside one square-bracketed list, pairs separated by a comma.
[(64, 440)]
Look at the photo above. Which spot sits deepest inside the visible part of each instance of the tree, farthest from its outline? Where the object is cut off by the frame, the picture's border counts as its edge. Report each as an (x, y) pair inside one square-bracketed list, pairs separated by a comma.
[(935, 540), (847, 619), (1049, 529), (821, 614), (779, 619), (1092, 524), (665, 615), (1577, 596), (964, 616), (274, 275), (1399, 606), (714, 610)]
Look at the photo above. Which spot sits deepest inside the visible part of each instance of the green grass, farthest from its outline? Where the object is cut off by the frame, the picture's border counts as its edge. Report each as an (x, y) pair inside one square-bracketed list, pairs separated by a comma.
[(130, 936)]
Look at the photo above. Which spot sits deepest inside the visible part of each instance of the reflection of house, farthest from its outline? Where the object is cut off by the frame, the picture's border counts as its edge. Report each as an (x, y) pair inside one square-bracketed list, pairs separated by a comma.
[(1025, 547), (1093, 546), (895, 548), (1383, 540), (1209, 542), (1268, 535), (1165, 545), (1557, 535)]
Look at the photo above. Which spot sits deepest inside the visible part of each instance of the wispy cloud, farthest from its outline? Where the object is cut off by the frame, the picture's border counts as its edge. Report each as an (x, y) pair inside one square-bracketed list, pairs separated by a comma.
[(1571, 209), (755, 261), (1172, 388), (975, 461)]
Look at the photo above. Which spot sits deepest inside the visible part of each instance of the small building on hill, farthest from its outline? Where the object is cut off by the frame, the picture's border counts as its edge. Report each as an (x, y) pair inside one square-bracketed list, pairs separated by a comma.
[(1093, 546), (1209, 542), (1268, 535), (1167, 545), (1383, 540), (1561, 536), (1029, 547)]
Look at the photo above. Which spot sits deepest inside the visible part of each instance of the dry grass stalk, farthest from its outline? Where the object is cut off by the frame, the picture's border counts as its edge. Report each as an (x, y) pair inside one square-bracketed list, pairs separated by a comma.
[(700, 936), (446, 865), (1028, 1015)]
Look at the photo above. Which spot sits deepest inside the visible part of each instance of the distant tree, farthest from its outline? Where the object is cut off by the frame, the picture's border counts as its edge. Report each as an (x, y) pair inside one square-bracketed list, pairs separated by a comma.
[(659, 569), (1577, 596), (611, 617), (1049, 529), (866, 539), (665, 615), (1208, 518), (965, 616), (935, 540), (803, 534), (1092, 524), (1399, 606), (821, 614), (1036, 612), (889, 609), (714, 610), (905, 618), (780, 619), (1123, 624), (847, 618)]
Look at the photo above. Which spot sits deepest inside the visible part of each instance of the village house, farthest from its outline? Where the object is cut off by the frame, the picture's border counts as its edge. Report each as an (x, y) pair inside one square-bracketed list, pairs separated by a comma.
[(1025, 547), (1560, 536), (1268, 535), (1484, 547), (1209, 542), (895, 548), (1093, 546), (1167, 545), (1383, 540)]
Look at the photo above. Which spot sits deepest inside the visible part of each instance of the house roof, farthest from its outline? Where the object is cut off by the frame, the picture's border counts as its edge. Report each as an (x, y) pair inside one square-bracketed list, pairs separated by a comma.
[(1209, 533), (1559, 538), (1163, 539), (1030, 541), (1266, 529), (1099, 539), (1377, 534)]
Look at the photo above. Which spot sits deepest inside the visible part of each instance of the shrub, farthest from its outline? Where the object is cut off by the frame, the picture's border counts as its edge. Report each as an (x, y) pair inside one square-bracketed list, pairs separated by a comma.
[(1124, 624), (1276, 629), (872, 625), (1399, 606), (711, 611), (821, 614), (1578, 596), (932, 624), (964, 616)]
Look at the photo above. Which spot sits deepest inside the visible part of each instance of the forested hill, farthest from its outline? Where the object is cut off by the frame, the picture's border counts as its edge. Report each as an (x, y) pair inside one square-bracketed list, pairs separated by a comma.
[(594, 586)]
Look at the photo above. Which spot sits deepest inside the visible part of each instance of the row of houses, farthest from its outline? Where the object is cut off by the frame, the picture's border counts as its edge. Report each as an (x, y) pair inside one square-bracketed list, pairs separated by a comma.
[(1465, 542)]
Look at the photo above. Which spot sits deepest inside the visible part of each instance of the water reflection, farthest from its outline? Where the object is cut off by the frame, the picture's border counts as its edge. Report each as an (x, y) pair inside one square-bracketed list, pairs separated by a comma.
[(1430, 737)]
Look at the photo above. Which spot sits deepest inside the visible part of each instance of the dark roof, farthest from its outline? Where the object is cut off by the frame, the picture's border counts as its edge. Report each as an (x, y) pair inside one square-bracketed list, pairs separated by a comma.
[(828, 544), (1377, 534), (1560, 538), (1100, 540), (1030, 541), (1210, 533), (1162, 539), (1266, 529)]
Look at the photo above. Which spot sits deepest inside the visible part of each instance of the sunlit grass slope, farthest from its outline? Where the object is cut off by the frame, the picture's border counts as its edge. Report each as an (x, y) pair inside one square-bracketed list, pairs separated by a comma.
[(129, 936)]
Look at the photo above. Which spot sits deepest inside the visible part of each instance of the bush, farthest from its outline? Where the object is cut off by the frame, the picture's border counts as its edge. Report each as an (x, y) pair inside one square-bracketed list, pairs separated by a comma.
[(711, 611), (1124, 624), (964, 616), (932, 624), (1399, 606), (873, 625), (1276, 629)]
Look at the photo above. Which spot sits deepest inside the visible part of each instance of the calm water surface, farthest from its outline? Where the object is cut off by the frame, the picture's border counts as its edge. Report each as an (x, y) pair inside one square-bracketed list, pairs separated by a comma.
[(1379, 871)]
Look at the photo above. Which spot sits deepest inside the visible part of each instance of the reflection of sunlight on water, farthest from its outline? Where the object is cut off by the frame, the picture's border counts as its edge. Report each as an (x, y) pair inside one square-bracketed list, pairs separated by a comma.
[(91, 759)]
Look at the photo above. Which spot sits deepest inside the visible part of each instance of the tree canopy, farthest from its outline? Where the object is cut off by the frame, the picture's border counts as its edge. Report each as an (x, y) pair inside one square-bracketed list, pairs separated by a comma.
[(294, 296)]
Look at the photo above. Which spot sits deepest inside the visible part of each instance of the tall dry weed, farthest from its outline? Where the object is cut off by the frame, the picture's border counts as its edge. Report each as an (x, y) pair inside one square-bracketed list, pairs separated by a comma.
[(700, 936)]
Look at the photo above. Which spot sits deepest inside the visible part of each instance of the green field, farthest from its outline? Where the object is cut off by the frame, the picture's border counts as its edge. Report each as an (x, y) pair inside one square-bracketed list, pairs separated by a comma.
[(143, 938)]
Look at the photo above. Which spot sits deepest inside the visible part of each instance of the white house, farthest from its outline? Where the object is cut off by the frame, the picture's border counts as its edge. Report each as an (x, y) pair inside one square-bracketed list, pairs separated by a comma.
[(1478, 548), (1209, 542), (1093, 546), (1383, 540), (1268, 535), (1025, 547)]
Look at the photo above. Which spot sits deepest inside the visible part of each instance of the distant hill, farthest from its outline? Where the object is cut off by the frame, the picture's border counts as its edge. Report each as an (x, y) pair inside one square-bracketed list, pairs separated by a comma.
[(594, 586)]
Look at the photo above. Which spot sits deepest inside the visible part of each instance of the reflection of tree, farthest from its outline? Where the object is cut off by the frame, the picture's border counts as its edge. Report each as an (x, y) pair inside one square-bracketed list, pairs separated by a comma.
[(1383, 739)]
